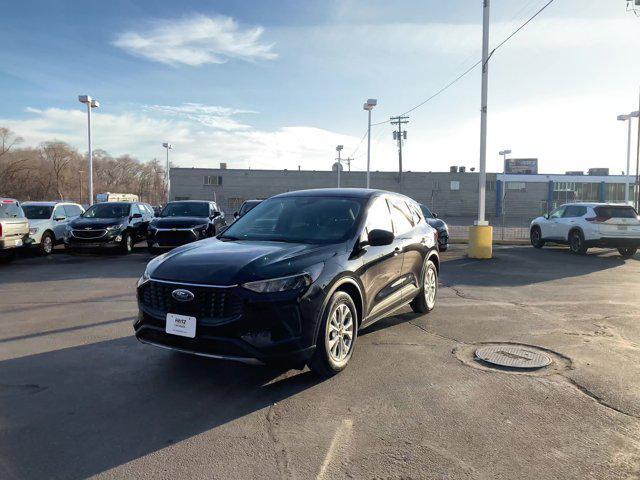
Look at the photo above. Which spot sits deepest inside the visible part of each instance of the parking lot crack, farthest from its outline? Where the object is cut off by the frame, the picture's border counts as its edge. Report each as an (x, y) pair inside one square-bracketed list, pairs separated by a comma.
[(283, 463), (584, 390), (451, 339)]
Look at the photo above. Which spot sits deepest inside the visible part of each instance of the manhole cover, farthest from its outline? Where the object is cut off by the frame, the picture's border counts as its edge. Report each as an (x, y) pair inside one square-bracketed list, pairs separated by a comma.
[(513, 356)]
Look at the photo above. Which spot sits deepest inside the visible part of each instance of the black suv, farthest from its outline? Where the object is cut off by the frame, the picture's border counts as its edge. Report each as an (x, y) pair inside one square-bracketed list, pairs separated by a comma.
[(293, 280), (118, 225), (440, 226), (183, 222)]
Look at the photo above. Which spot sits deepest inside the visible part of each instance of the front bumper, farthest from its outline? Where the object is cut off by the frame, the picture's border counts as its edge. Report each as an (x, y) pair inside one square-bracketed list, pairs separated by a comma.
[(232, 323), (107, 240)]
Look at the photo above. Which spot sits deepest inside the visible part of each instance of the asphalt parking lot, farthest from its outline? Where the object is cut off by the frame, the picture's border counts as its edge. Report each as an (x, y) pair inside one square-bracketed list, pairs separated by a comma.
[(80, 397)]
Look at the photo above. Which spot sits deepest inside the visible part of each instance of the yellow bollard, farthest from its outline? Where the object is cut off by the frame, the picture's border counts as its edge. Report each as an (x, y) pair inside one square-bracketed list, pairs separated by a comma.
[(480, 241)]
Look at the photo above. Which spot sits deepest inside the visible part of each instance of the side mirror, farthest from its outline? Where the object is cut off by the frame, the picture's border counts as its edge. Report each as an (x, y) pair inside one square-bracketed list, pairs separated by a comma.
[(136, 215), (379, 238), (435, 215), (236, 215), (215, 214), (546, 216)]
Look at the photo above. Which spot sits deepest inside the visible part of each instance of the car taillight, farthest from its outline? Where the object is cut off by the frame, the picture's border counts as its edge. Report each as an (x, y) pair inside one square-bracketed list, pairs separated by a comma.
[(597, 219)]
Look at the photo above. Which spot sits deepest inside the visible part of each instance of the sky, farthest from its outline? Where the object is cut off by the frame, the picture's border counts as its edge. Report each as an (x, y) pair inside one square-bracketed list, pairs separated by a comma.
[(278, 84)]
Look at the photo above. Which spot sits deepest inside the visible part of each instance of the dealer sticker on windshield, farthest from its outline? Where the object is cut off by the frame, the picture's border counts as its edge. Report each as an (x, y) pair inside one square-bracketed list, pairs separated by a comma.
[(181, 325)]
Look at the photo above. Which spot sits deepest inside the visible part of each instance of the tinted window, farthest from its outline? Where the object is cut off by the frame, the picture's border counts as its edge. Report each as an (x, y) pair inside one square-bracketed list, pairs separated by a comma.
[(425, 211), (246, 206), (415, 212), (616, 212), (186, 209), (378, 216), (298, 220), (573, 211), (59, 212), (10, 210), (557, 213), (72, 210), (401, 216), (107, 210), (37, 212)]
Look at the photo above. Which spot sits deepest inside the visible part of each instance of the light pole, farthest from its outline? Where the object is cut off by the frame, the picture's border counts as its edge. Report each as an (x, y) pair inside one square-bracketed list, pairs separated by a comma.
[(339, 149), (503, 195), (80, 172), (91, 103), (627, 118), (168, 147), (372, 102)]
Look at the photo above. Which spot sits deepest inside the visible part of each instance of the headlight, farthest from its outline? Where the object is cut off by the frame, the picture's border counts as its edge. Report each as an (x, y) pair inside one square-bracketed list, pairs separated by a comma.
[(115, 228), (33, 231), (151, 266), (283, 284)]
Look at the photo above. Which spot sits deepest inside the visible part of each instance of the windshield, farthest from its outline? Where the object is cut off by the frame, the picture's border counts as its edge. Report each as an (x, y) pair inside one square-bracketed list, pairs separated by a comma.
[(194, 209), (107, 210), (37, 212), (246, 206), (10, 210), (298, 220), (425, 211)]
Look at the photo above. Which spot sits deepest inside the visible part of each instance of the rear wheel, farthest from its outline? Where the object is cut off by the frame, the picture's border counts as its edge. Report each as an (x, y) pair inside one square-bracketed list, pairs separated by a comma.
[(336, 337), (576, 243), (627, 252), (426, 299), (46, 244), (127, 243), (536, 237)]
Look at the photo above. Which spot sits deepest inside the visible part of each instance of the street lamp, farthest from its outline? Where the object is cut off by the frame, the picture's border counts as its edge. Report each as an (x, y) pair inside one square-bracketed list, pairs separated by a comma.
[(91, 103), (625, 118), (168, 147), (504, 154), (339, 149), (372, 102)]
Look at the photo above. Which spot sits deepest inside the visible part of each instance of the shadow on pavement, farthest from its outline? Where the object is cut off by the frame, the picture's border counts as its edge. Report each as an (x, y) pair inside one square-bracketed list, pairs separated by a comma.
[(79, 411), (516, 266)]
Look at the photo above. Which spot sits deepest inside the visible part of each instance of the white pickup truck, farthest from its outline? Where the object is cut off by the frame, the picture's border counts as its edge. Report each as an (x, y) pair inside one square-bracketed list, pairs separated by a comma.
[(14, 226)]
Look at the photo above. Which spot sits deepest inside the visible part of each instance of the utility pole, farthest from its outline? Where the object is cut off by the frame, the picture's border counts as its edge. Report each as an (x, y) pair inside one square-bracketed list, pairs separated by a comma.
[(339, 149), (348, 162), (168, 147), (80, 172), (399, 135)]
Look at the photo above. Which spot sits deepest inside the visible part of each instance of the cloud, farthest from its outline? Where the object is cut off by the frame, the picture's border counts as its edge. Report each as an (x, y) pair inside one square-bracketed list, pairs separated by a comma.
[(196, 41), (210, 115), (141, 135)]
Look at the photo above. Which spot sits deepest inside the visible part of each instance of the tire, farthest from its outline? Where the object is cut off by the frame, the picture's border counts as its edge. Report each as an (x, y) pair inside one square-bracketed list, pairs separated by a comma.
[(127, 243), (627, 252), (339, 319), (576, 242), (426, 299), (536, 237), (47, 242)]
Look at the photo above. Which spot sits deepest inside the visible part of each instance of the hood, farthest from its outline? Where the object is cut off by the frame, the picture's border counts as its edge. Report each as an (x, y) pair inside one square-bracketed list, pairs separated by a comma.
[(95, 223), (178, 222), (39, 222), (216, 262), (436, 223)]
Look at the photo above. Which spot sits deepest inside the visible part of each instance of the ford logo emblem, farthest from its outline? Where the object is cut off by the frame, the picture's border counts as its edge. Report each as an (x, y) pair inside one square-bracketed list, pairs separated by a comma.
[(182, 295)]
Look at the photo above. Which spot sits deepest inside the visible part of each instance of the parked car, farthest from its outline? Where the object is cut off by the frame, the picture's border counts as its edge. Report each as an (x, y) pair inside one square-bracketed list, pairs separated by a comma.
[(48, 222), (14, 226), (118, 225), (297, 287), (246, 206), (440, 226), (585, 225), (184, 221)]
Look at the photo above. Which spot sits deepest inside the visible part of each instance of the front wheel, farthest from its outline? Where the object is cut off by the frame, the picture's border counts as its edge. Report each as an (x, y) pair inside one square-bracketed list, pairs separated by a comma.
[(576, 243), (426, 299), (627, 252), (127, 243), (46, 244), (536, 238), (336, 337)]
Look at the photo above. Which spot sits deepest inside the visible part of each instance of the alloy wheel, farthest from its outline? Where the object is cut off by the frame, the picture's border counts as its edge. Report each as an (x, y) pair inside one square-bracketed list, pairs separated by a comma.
[(430, 287), (340, 332), (47, 244)]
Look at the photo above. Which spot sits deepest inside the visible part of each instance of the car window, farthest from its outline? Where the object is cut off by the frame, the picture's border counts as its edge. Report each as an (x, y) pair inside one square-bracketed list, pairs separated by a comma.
[(573, 211), (401, 216), (59, 212), (621, 211), (378, 216), (557, 213), (416, 212), (186, 209), (10, 210), (135, 209), (72, 210), (37, 212), (107, 210)]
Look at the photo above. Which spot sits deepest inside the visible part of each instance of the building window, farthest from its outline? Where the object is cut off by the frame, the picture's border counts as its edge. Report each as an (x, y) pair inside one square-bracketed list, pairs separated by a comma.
[(490, 186), (455, 185), (436, 185), (614, 192), (213, 180), (516, 186), (235, 203)]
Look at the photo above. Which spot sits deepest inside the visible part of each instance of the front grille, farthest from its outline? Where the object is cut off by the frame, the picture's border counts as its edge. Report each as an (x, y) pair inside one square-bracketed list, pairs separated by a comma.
[(210, 305), (174, 238), (89, 233)]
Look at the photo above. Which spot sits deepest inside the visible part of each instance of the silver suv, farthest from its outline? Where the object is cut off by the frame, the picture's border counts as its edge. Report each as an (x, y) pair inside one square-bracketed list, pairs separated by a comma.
[(48, 222), (14, 227)]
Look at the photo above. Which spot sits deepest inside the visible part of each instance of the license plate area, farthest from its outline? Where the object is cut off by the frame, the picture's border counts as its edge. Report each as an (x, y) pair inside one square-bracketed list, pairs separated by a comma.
[(181, 325)]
